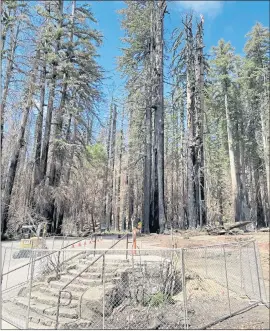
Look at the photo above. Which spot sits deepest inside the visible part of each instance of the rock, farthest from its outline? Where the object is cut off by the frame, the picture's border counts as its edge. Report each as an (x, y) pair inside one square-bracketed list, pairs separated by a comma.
[(53, 278), (167, 232), (155, 324)]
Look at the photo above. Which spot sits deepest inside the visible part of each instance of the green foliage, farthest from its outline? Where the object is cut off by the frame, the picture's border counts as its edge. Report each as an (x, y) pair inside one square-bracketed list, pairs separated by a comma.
[(96, 153), (222, 63), (157, 299), (136, 23)]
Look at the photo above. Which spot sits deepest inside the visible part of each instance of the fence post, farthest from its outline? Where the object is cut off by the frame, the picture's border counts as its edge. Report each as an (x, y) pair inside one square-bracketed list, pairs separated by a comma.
[(241, 267), (53, 242), (127, 247), (227, 284), (63, 249), (58, 264), (10, 255), (260, 265), (30, 289), (205, 260), (184, 288), (3, 266), (29, 266), (250, 274), (4, 259), (103, 280), (257, 270), (95, 245)]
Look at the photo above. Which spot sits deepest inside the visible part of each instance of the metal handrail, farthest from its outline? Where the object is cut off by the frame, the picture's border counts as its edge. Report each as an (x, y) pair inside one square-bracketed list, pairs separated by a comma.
[(42, 257), (89, 265), (80, 273)]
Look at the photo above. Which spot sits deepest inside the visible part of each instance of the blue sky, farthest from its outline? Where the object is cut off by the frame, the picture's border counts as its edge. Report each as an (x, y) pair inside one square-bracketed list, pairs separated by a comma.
[(230, 20)]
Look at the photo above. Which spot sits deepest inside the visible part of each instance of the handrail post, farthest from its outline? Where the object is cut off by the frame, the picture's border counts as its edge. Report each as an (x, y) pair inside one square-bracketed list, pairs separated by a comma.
[(57, 310), (127, 247)]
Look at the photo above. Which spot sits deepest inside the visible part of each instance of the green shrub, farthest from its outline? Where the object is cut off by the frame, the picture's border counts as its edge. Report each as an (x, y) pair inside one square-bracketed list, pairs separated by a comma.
[(158, 299)]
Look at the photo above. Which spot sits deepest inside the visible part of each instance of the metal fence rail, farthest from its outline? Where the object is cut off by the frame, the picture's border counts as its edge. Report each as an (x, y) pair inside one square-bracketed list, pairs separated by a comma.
[(119, 288), (12, 266)]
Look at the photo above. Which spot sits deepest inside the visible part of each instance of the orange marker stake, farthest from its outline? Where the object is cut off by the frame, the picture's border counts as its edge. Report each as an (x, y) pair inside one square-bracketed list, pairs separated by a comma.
[(134, 246)]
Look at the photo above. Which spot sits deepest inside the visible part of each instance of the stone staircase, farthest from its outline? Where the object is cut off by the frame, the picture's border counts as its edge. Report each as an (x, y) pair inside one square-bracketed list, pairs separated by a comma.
[(86, 292)]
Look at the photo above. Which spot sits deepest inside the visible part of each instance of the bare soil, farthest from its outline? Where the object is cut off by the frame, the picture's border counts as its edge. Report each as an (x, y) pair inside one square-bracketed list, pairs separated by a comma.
[(254, 319)]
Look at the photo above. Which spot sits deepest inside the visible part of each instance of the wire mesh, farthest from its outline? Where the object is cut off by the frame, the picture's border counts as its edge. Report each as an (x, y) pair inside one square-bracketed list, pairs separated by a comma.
[(117, 288), (133, 293)]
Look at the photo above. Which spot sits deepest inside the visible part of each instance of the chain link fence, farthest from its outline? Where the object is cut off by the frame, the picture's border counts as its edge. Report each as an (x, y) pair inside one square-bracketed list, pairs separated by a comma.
[(119, 288)]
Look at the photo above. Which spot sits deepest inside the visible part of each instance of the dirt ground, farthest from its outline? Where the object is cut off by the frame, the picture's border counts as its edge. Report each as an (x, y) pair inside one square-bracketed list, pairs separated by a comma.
[(254, 319), (194, 238)]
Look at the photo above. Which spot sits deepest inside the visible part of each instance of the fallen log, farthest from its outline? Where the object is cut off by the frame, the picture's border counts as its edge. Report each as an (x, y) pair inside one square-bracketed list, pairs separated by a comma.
[(222, 230), (264, 230), (237, 225)]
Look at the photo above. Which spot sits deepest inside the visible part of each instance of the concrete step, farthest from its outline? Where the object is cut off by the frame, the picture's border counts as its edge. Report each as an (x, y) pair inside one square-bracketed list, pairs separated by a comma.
[(45, 309), (97, 268), (54, 292), (48, 299), (88, 275), (16, 315), (84, 281), (95, 275), (109, 261), (58, 284), (109, 267)]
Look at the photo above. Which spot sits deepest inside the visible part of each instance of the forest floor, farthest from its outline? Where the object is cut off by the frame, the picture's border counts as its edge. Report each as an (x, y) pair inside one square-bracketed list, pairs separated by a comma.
[(254, 319)]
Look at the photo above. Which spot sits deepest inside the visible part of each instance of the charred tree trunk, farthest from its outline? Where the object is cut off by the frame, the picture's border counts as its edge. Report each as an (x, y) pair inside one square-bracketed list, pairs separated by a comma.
[(52, 90), (20, 143), (111, 159), (117, 216), (191, 155), (199, 142), (160, 113)]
